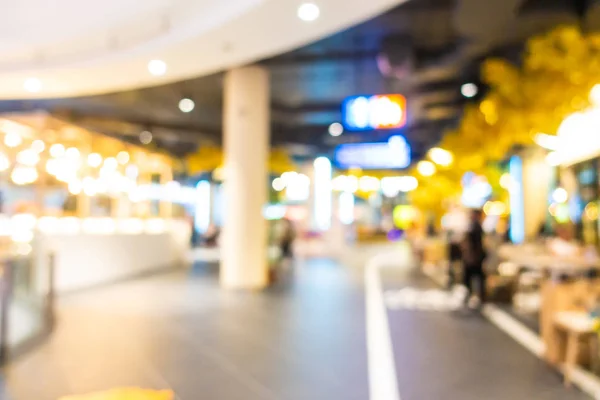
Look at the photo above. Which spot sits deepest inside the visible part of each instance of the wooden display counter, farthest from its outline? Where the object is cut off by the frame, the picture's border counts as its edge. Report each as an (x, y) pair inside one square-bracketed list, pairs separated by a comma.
[(575, 298)]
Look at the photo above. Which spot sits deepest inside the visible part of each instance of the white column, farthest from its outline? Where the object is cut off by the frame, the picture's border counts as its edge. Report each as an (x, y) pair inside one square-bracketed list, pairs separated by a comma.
[(246, 120), (322, 194), (310, 223)]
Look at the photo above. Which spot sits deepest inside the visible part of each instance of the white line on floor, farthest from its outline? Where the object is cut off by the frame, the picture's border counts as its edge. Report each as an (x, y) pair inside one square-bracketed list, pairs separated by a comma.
[(383, 381), (515, 329), (584, 380), (587, 382)]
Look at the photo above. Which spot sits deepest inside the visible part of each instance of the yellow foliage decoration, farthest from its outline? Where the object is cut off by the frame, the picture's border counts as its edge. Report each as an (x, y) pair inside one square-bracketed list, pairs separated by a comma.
[(559, 70), (209, 158)]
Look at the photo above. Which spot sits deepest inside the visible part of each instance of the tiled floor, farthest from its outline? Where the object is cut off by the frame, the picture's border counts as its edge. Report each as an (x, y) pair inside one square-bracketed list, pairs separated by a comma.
[(301, 340), (463, 356), (298, 341)]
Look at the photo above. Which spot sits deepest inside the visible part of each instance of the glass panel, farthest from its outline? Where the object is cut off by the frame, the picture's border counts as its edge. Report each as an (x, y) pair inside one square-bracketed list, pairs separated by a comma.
[(27, 307)]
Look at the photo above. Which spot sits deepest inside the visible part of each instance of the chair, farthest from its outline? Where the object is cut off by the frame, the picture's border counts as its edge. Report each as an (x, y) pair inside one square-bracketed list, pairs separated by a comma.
[(578, 327)]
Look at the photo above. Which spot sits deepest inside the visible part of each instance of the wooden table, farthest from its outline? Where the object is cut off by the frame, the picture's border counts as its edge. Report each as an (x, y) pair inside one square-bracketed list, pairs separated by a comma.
[(536, 256)]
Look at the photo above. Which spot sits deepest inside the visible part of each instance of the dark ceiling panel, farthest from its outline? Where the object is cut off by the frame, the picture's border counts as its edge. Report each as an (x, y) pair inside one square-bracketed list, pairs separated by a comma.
[(309, 83)]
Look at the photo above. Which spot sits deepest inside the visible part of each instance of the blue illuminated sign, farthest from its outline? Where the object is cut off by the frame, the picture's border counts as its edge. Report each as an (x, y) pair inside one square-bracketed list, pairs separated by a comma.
[(363, 113), (517, 206), (395, 154)]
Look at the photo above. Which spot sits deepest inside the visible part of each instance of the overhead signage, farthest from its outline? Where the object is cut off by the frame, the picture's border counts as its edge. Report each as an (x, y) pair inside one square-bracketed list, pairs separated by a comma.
[(364, 113), (394, 154)]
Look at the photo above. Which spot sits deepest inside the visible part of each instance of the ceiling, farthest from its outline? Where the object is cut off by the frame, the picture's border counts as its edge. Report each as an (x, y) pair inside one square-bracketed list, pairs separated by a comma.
[(424, 49), (83, 47)]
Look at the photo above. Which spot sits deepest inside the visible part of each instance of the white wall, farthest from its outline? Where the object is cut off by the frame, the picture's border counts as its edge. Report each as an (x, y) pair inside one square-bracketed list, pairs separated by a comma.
[(87, 260)]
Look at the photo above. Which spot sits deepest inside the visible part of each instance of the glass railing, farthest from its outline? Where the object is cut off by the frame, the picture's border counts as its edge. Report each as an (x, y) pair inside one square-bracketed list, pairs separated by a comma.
[(26, 301)]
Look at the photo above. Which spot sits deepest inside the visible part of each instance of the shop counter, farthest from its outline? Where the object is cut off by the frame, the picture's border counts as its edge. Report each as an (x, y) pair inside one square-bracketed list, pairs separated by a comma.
[(93, 252)]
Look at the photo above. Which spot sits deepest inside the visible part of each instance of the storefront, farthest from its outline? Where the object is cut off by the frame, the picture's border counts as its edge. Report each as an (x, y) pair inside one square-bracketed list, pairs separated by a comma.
[(105, 209)]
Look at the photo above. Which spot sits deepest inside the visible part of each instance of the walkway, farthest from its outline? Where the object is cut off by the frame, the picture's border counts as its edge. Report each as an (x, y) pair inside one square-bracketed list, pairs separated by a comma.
[(460, 355), (302, 340), (298, 342)]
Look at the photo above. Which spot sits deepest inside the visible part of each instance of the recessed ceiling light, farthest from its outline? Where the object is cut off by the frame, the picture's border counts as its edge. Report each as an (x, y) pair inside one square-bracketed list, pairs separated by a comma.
[(308, 12), (186, 105), (145, 137), (157, 67), (32, 85), (336, 129), (13, 139), (469, 90)]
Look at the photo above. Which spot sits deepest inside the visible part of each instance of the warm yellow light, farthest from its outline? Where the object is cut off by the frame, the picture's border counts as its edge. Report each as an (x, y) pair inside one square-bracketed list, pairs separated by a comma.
[(89, 186), (560, 195), (155, 225), (135, 195), (99, 226), (218, 174), (101, 186), (66, 174), (487, 207), (494, 208), (57, 150), (392, 186), (24, 221), (441, 157), (12, 139), (369, 184), (403, 216), (131, 172), (132, 226), (123, 157), (94, 160), (507, 268), (22, 236), (338, 183), (591, 211), (28, 157), (110, 163), (351, 184), (32, 85), (48, 224), (120, 183), (75, 187), (408, 183), (157, 67), (595, 95), (24, 249), (52, 166), (345, 183), (4, 162), (22, 175), (278, 184), (553, 159), (505, 181), (288, 177), (38, 146), (426, 168), (72, 153), (549, 142)]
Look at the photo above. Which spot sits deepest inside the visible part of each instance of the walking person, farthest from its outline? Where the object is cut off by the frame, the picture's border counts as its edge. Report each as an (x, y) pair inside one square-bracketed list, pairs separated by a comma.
[(474, 254), (454, 256), (288, 235)]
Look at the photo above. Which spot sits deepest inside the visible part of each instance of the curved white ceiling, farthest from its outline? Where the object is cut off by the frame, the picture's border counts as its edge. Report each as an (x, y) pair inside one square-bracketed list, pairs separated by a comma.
[(82, 47)]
